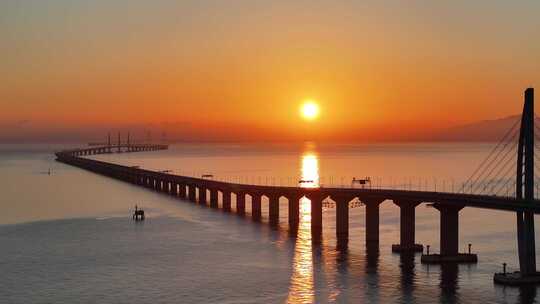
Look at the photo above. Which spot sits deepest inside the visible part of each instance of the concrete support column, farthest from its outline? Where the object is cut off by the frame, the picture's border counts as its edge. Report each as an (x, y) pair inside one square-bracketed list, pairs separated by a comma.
[(174, 188), (449, 229), (226, 200), (449, 236), (316, 215), (526, 243), (191, 193), (147, 182), (166, 184), (214, 198), (241, 203), (256, 213), (531, 250), (342, 219), (273, 209), (182, 190), (372, 220), (407, 227), (294, 211), (202, 196)]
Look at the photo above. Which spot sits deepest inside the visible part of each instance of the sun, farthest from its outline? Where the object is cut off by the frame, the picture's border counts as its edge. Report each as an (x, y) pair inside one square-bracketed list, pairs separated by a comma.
[(309, 110)]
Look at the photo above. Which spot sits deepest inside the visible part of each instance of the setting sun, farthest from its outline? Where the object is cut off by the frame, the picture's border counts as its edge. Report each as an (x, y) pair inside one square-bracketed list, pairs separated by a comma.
[(309, 110)]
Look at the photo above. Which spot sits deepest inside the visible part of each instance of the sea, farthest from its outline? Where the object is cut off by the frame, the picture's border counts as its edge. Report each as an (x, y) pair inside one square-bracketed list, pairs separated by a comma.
[(66, 235)]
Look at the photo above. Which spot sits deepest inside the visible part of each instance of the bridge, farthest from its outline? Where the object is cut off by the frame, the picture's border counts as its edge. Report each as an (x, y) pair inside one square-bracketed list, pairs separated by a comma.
[(114, 149), (481, 190)]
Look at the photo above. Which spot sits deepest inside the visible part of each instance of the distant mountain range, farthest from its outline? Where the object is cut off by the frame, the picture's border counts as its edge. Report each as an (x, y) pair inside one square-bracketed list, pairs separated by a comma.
[(486, 130)]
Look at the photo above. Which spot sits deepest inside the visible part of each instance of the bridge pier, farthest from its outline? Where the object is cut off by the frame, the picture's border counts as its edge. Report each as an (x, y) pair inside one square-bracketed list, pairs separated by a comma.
[(449, 238), (161, 187), (372, 220), (174, 188), (273, 209), (407, 227), (342, 220), (256, 213), (202, 196), (294, 211), (214, 198), (182, 190), (134, 179), (226, 196), (241, 203), (146, 182), (166, 186), (316, 217), (527, 274), (191, 193)]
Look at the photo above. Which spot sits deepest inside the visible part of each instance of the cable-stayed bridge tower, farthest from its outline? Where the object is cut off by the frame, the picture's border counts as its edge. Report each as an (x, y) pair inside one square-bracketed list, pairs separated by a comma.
[(525, 187)]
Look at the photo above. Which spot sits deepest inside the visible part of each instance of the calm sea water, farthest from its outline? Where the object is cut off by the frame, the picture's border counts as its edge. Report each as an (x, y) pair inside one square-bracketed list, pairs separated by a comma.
[(68, 238)]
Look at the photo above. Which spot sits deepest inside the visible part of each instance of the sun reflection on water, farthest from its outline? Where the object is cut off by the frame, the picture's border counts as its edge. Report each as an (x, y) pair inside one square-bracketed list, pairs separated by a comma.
[(310, 171), (301, 287)]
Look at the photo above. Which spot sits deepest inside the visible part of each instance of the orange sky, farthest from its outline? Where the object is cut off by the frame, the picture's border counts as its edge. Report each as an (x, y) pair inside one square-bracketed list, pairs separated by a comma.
[(239, 69)]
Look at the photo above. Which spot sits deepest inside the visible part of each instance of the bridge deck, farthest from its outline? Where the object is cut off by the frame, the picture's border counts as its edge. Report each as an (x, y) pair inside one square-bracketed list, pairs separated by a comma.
[(337, 194)]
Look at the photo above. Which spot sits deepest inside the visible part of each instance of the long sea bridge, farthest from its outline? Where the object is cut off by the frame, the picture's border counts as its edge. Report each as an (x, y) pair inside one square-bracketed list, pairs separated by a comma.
[(511, 162)]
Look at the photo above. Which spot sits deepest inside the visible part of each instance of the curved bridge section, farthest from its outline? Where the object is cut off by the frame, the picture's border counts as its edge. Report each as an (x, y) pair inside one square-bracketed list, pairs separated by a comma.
[(218, 194)]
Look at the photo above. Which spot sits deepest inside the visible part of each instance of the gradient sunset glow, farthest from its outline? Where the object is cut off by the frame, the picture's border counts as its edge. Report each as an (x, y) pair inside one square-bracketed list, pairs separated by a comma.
[(236, 70)]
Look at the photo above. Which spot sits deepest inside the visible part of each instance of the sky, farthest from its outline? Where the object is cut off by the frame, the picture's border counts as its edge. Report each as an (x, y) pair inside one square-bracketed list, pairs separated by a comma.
[(240, 69)]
